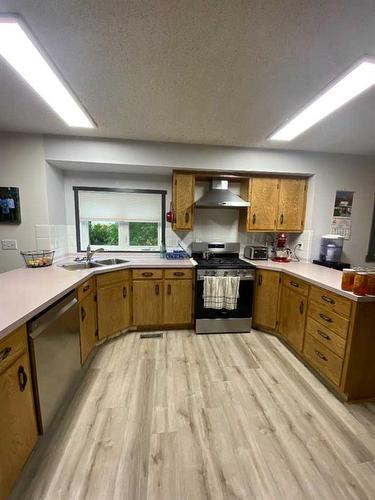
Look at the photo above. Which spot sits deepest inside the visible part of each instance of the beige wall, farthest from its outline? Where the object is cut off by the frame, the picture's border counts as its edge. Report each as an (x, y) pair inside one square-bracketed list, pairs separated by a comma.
[(22, 165)]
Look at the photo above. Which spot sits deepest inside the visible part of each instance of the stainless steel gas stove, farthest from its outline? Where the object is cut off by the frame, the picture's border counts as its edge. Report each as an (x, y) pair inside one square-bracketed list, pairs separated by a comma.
[(222, 259)]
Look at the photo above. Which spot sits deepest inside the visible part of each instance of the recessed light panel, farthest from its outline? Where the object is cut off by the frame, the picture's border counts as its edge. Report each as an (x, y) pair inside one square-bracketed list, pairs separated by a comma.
[(359, 79), (24, 56)]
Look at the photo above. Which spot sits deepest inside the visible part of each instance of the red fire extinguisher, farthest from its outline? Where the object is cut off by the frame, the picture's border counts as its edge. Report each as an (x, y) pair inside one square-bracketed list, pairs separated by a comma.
[(169, 215)]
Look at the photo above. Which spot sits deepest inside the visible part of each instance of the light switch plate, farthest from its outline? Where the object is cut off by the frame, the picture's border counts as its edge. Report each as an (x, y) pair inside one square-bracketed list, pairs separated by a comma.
[(9, 244)]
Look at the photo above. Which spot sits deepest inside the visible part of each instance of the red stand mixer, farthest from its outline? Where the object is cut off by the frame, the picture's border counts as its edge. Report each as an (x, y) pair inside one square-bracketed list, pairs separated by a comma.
[(282, 252)]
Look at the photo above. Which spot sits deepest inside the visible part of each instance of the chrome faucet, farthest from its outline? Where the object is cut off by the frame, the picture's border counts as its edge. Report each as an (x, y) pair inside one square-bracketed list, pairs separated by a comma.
[(90, 253)]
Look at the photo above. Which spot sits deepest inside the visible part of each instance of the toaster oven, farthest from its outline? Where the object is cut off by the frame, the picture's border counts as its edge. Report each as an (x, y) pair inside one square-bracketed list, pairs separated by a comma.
[(254, 252)]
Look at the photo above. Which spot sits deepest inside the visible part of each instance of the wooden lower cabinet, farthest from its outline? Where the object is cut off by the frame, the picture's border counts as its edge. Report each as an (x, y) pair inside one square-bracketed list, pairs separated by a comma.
[(148, 302), (293, 307), (113, 308), (18, 429), (266, 299), (178, 302), (88, 325)]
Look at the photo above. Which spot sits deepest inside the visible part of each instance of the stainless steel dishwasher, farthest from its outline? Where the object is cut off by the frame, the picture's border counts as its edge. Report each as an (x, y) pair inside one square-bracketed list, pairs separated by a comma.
[(55, 356)]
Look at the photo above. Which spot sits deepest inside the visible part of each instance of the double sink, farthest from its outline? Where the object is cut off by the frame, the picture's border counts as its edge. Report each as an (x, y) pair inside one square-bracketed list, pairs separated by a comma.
[(76, 266)]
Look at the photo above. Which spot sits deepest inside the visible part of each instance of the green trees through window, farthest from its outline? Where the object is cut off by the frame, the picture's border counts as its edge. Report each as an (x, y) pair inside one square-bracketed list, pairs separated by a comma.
[(143, 234), (103, 233)]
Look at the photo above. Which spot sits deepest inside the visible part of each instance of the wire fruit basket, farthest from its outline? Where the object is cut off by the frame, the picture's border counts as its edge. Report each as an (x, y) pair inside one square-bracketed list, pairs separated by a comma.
[(38, 258)]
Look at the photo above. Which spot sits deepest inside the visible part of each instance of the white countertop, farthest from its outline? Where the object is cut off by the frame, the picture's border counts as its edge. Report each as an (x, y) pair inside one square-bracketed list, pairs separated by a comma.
[(27, 292), (321, 276)]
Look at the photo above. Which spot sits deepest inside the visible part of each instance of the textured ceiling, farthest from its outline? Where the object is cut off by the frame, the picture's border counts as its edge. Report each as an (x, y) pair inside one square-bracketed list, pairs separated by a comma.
[(208, 72)]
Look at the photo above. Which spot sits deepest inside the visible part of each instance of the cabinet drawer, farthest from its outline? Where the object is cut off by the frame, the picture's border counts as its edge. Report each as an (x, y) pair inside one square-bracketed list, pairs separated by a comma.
[(12, 347), (113, 277), (331, 340), (178, 273), (329, 319), (151, 274), (85, 289), (323, 359), (296, 284), (332, 301)]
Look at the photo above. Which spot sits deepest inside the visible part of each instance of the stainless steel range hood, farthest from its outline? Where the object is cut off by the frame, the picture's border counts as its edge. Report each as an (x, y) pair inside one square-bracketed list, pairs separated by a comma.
[(219, 196)]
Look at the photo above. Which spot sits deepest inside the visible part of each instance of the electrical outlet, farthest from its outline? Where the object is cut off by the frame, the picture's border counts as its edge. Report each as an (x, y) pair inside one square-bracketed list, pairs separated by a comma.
[(9, 244)]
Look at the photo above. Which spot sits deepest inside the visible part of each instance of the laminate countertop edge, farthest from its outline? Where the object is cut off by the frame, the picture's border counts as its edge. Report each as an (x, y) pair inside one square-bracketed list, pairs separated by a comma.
[(320, 276)]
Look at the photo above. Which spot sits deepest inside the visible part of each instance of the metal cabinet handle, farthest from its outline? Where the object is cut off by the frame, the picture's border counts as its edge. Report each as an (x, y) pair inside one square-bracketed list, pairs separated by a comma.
[(124, 292), (260, 279), (169, 289), (324, 335), (293, 283), (320, 355), (22, 378), (328, 299), (254, 218), (85, 288), (148, 274), (301, 307), (281, 219), (157, 289), (325, 318), (83, 313), (187, 216), (5, 353), (178, 273)]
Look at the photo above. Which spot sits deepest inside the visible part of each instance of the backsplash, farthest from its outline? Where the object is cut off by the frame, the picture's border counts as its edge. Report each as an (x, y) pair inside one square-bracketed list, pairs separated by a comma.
[(52, 237)]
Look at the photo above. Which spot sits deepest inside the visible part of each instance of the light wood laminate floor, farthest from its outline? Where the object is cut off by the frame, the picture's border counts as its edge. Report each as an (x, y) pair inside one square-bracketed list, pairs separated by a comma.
[(204, 417)]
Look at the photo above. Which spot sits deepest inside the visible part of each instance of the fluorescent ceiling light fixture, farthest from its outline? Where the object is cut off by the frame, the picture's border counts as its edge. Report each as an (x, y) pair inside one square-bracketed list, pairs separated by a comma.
[(353, 83), (17, 47)]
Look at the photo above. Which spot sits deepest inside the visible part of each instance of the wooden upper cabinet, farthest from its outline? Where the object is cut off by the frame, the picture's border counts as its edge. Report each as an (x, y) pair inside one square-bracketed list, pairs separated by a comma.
[(183, 202), (148, 302), (292, 205), (266, 299), (178, 301), (263, 194)]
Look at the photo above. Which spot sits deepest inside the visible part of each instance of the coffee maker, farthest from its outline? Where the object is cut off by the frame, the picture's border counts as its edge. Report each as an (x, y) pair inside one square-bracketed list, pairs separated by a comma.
[(282, 252)]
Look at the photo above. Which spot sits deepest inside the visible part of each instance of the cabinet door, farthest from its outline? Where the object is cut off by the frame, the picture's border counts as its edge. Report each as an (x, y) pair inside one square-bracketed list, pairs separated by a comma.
[(266, 298), (88, 325), (113, 309), (147, 302), (178, 302), (292, 317), (292, 204), (264, 200), (183, 202), (18, 431)]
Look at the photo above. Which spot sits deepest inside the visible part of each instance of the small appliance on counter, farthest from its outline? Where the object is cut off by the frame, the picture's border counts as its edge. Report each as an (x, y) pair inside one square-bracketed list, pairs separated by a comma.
[(331, 248), (282, 252), (254, 252)]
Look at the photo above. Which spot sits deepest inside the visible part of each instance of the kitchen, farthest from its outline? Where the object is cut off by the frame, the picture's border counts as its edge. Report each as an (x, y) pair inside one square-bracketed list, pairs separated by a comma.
[(121, 376)]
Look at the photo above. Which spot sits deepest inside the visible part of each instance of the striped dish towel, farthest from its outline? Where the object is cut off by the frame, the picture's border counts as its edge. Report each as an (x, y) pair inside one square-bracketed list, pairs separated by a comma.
[(221, 292)]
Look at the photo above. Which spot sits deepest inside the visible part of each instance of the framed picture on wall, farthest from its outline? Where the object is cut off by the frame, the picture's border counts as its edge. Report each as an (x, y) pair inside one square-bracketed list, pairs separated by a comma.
[(10, 208)]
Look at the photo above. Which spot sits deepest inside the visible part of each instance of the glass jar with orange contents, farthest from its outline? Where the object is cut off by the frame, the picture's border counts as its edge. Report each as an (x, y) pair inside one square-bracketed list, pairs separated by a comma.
[(371, 284), (347, 279), (360, 284)]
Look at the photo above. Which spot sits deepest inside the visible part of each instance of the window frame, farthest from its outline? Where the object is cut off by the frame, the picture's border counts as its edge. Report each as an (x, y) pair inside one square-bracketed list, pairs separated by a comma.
[(162, 193), (371, 247)]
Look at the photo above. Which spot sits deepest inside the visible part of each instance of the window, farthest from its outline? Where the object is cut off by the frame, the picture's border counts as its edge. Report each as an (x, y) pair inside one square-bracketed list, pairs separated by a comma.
[(119, 219)]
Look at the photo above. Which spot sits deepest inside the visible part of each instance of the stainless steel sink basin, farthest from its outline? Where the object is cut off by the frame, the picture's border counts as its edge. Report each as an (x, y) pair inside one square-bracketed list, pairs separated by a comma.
[(76, 266), (110, 262)]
